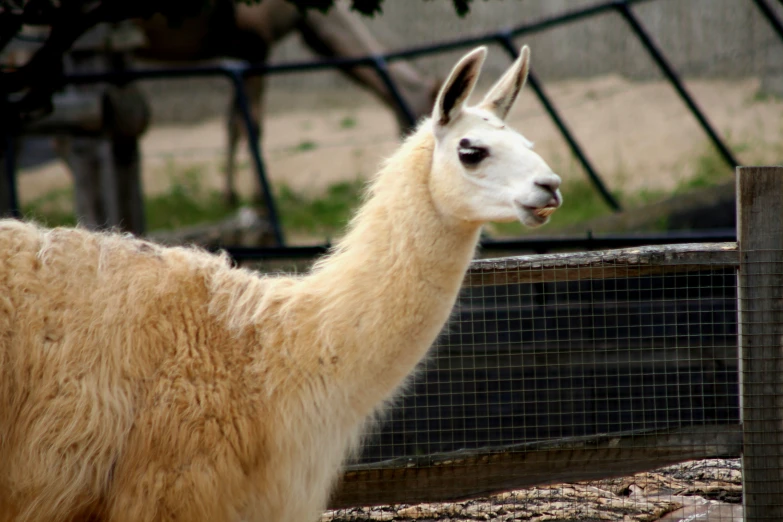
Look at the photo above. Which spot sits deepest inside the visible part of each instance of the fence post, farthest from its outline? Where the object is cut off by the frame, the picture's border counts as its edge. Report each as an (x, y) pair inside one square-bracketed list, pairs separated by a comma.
[(760, 237)]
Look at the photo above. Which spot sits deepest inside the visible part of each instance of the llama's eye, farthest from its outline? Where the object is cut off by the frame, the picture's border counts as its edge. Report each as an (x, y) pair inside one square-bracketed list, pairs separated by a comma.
[(471, 156)]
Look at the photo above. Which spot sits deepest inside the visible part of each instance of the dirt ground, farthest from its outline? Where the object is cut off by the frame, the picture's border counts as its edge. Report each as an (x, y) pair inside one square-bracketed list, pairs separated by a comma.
[(639, 136)]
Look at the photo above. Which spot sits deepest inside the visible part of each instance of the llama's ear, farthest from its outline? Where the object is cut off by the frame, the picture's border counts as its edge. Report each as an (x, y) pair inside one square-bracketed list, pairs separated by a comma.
[(458, 86), (502, 95)]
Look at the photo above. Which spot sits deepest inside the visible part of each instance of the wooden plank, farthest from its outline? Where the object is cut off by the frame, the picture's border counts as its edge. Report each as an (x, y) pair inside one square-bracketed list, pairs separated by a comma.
[(760, 233), (468, 474), (620, 263)]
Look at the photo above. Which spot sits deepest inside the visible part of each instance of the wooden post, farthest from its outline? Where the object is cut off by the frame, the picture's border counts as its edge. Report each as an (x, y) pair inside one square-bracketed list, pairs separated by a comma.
[(760, 237)]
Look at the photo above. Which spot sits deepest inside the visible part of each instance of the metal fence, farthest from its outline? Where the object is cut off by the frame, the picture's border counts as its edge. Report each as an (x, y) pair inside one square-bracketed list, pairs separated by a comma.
[(610, 385)]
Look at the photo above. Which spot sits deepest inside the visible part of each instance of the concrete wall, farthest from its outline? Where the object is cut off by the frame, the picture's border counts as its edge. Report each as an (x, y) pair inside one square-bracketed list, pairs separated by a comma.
[(724, 38), (701, 38)]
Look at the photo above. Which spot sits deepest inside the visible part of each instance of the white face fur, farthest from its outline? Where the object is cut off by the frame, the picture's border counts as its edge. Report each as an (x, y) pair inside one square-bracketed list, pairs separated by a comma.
[(482, 169)]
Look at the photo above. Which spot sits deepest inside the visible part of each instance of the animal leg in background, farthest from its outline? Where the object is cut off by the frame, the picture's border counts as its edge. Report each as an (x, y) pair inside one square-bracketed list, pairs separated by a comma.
[(87, 157), (340, 33), (254, 90)]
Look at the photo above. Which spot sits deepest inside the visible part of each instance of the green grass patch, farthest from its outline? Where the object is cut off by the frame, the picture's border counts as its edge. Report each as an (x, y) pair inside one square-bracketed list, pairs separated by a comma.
[(53, 209), (581, 201), (710, 170), (305, 146), (326, 214), (186, 203), (761, 96), (348, 123)]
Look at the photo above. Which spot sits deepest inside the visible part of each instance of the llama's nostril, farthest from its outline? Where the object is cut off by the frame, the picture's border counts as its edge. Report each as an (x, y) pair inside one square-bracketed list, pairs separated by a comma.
[(550, 184)]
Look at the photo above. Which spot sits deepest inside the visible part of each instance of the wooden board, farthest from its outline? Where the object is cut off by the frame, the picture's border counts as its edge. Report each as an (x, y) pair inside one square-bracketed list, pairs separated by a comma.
[(620, 263), (461, 475)]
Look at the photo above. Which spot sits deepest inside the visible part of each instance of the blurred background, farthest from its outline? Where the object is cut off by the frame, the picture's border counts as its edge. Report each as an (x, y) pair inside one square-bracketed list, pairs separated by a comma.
[(324, 136)]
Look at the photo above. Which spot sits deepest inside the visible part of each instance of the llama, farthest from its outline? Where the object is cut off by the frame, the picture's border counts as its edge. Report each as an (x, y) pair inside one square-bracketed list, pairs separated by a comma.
[(147, 384)]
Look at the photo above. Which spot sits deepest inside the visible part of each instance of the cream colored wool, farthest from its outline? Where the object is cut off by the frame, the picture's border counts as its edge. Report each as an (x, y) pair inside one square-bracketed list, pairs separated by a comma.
[(141, 383)]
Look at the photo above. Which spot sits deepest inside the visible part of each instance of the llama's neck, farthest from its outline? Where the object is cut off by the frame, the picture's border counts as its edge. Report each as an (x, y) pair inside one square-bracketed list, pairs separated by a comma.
[(387, 292)]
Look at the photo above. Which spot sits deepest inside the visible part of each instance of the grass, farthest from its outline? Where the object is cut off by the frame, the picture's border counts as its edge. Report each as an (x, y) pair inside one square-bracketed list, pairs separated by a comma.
[(710, 169), (188, 202), (305, 146), (324, 215), (764, 97), (53, 209), (347, 123)]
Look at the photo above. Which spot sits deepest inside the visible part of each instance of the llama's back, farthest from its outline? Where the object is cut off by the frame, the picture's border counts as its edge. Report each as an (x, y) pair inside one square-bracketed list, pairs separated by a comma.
[(87, 323)]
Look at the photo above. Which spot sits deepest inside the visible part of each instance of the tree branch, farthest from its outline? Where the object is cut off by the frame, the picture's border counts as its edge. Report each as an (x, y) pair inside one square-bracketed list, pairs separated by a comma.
[(72, 24)]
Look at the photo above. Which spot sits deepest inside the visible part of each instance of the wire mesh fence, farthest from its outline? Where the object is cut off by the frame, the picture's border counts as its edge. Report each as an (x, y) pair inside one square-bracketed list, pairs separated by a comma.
[(561, 382), (529, 361)]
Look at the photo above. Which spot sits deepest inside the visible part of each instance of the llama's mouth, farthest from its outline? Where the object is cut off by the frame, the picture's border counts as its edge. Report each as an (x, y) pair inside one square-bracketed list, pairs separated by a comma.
[(534, 216), (544, 212), (538, 215)]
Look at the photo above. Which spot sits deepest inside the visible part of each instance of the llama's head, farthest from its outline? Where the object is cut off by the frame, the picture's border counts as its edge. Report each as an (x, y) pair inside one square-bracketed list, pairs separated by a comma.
[(482, 169)]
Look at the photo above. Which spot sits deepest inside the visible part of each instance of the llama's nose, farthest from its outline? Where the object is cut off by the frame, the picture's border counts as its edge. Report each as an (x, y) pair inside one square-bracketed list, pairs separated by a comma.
[(550, 183)]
